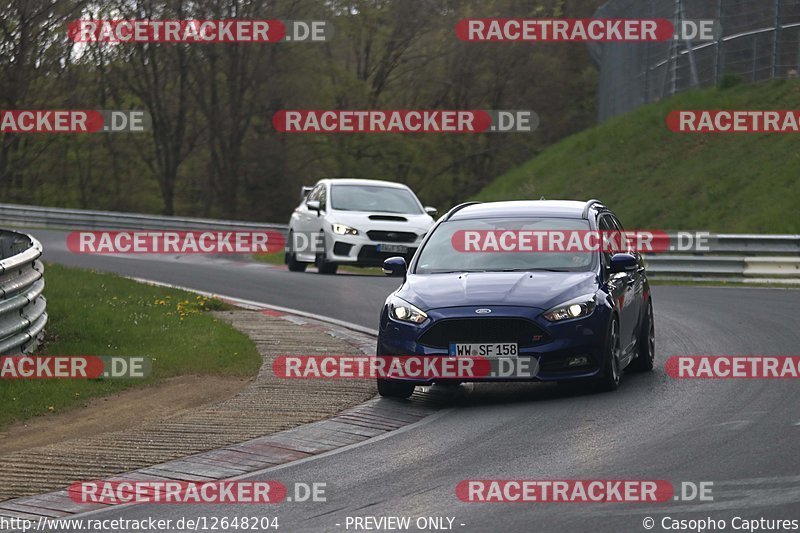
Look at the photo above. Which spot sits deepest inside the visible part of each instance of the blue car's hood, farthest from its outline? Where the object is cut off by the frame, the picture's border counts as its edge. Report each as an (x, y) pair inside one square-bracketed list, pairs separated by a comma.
[(541, 290)]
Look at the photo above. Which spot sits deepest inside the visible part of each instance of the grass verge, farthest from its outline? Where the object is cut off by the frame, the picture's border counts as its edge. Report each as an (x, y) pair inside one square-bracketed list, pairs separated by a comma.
[(93, 313), (656, 179)]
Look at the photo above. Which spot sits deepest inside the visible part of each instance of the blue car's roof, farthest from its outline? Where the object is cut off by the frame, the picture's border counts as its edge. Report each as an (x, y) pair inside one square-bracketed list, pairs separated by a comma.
[(523, 208)]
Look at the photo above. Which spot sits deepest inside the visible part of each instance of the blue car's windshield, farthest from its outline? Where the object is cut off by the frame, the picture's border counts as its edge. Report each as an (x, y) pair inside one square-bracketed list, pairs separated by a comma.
[(452, 248)]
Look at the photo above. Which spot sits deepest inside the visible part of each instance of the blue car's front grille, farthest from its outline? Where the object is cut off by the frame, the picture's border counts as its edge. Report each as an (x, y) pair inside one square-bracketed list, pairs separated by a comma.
[(474, 330)]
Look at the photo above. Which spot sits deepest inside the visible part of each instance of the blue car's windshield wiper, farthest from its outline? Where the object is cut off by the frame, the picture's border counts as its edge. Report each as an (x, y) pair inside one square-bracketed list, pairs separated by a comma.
[(534, 270), (499, 270), (454, 271)]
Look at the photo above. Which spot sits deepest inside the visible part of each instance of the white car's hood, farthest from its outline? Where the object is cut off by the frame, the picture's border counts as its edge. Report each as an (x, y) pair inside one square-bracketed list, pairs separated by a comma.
[(361, 221)]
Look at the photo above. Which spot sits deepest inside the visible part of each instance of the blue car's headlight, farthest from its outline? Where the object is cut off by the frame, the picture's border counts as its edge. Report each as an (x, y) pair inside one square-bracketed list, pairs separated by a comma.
[(575, 308), (403, 311)]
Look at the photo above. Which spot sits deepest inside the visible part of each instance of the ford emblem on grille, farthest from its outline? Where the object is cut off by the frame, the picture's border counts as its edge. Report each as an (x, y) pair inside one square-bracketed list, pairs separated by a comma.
[(483, 311)]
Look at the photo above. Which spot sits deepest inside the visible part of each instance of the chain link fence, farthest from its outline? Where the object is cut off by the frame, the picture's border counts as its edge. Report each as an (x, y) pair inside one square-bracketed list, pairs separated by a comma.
[(760, 40)]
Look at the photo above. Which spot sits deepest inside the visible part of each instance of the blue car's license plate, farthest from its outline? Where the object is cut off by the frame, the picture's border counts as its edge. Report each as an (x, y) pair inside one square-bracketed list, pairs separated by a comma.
[(493, 349)]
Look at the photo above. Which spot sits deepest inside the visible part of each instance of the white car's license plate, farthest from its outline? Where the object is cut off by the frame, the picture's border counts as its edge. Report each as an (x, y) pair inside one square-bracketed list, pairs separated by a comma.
[(495, 349), (393, 248)]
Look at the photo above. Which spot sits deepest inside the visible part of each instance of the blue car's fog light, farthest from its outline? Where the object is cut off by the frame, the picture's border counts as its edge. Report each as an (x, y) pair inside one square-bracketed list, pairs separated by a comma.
[(578, 361)]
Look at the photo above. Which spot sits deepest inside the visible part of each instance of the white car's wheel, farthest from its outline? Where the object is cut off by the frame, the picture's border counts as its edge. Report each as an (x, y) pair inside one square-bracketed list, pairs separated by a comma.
[(321, 261), (290, 258)]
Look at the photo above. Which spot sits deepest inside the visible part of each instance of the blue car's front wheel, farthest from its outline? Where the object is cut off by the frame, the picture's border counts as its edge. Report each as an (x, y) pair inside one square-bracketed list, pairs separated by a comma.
[(394, 389), (612, 371), (646, 347)]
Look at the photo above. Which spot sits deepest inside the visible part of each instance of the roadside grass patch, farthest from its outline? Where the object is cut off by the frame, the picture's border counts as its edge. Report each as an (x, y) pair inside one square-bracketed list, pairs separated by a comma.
[(92, 313), (656, 179)]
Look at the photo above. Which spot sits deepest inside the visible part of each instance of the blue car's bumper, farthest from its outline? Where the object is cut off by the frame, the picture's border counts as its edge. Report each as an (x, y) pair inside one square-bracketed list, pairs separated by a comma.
[(557, 343)]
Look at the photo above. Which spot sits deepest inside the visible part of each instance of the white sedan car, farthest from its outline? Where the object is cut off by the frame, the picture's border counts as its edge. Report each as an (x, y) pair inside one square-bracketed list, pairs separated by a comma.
[(357, 222)]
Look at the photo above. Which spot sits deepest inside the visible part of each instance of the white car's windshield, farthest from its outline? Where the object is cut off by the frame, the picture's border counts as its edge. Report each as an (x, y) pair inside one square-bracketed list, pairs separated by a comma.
[(374, 198)]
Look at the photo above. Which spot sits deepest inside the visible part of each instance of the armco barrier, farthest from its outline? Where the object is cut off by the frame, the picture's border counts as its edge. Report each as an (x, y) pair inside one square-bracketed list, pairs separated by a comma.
[(50, 217), (22, 306), (746, 244), (730, 257)]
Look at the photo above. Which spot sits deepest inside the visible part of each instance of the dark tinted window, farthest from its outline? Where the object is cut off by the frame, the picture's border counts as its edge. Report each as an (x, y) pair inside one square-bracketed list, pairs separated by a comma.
[(605, 223)]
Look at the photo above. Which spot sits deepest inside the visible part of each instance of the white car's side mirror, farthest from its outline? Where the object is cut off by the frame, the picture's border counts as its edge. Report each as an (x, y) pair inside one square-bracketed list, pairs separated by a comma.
[(313, 205)]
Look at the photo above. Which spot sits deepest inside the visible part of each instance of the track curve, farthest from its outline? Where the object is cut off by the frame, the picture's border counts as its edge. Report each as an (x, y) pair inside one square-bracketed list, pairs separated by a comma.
[(741, 435)]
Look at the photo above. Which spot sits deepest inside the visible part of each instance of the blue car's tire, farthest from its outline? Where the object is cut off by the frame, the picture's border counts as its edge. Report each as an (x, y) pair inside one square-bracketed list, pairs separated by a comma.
[(395, 389), (612, 370), (646, 342)]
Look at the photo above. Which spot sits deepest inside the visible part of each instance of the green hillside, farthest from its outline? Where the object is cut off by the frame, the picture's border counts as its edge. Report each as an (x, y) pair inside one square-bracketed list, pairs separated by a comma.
[(657, 179)]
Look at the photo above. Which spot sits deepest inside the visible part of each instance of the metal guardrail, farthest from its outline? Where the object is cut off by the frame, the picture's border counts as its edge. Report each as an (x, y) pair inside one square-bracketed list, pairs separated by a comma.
[(22, 305), (731, 257), (51, 217)]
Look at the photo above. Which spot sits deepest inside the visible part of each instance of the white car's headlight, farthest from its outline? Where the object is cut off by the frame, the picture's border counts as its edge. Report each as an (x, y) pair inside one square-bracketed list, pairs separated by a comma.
[(403, 311), (575, 308), (341, 229)]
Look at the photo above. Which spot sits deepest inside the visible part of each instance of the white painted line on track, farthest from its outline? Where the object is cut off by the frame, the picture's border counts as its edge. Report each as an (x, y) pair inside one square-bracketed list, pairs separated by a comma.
[(252, 304)]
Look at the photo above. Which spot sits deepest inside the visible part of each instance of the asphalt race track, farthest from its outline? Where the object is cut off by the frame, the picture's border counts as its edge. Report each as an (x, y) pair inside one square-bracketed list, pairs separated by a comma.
[(743, 435)]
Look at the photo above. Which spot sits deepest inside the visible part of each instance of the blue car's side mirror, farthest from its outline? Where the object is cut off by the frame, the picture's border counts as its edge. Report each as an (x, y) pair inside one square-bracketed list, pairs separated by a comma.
[(623, 263), (395, 267)]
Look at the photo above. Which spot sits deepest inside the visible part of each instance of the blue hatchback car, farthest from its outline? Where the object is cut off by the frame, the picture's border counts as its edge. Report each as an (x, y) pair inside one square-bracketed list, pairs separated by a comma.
[(580, 316)]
